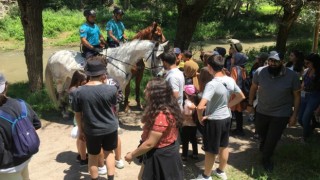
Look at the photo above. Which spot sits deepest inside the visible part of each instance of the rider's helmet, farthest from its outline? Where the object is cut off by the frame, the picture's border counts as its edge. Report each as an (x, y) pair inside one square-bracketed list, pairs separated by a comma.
[(89, 12), (117, 11), (235, 44)]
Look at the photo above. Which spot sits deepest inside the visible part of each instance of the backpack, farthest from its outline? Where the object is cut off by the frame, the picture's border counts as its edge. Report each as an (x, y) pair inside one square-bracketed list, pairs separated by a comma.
[(244, 83), (25, 138)]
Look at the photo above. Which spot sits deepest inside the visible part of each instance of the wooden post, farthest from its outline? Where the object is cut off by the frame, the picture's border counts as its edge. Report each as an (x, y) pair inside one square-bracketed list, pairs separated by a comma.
[(316, 31)]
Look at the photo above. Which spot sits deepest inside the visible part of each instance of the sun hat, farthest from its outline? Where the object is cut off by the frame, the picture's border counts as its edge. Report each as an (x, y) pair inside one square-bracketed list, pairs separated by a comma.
[(190, 89), (95, 68), (2, 83)]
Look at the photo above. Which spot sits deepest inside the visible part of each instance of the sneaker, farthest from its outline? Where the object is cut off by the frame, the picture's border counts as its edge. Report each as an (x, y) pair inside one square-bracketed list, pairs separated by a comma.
[(102, 170), (119, 164), (200, 177), (83, 162), (221, 175)]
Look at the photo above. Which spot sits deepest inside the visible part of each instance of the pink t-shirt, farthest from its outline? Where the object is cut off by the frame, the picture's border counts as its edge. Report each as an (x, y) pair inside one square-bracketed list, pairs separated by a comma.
[(169, 132)]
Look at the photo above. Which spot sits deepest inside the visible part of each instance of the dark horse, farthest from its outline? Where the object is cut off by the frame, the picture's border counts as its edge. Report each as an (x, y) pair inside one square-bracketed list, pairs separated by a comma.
[(154, 33)]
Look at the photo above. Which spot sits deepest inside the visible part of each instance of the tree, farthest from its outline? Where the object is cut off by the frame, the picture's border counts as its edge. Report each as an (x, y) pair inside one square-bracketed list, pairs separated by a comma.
[(31, 19), (188, 16), (291, 10)]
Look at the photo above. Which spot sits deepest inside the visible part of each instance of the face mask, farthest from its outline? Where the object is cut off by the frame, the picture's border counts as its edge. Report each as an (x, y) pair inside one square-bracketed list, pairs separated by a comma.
[(274, 71)]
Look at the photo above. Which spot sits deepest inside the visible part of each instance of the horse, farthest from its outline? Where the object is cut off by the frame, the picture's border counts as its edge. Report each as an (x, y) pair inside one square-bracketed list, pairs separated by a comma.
[(154, 33), (62, 64)]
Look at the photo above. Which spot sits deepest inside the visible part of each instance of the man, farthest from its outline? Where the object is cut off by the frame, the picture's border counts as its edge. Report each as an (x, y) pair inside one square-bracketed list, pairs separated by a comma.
[(174, 76), (115, 29), (217, 119), (279, 91), (93, 107), (91, 38)]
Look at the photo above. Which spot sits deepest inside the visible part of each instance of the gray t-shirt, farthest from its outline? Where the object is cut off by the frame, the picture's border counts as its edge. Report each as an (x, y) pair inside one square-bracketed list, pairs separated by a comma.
[(218, 92), (176, 80), (276, 94), (95, 102)]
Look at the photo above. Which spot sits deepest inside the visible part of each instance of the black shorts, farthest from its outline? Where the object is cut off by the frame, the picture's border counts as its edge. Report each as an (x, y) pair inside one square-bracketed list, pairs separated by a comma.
[(216, 135), (108, 142)]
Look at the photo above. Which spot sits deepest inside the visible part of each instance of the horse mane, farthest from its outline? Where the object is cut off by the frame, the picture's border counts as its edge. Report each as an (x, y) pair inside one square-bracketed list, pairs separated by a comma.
[(149, 33)]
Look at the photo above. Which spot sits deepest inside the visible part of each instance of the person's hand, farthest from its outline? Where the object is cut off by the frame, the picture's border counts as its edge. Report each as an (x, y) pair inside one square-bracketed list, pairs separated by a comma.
[(204, 118), (128, 157), (249, 109), (98, 50), (292, 121)]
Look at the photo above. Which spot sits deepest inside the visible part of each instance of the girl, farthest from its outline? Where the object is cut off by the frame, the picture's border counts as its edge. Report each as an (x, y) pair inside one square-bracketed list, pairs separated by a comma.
[(189, 129), (79, 78), (160, 150)]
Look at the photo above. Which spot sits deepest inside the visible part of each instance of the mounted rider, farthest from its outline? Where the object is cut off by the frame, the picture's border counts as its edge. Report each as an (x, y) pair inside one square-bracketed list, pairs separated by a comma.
[(92, 39), (115, 29)]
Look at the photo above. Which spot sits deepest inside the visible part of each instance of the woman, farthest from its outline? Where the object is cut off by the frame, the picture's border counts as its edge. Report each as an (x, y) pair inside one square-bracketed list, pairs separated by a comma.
[(310, 94), (159, 148), (191, 74), (296, 62), (12, 168)]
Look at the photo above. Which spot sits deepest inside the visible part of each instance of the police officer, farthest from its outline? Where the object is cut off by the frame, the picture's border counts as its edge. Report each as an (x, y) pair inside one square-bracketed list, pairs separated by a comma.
[(91, 37), (115, 29)]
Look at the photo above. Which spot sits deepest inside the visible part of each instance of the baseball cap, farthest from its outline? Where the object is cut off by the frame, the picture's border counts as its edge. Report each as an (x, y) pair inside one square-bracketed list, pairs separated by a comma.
[(189, 89), (177, 50), (2, 83), (95, 68), (274, 55)]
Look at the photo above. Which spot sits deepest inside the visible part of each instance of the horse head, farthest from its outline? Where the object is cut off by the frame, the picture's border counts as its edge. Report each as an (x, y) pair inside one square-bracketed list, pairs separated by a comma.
[(153, 62)]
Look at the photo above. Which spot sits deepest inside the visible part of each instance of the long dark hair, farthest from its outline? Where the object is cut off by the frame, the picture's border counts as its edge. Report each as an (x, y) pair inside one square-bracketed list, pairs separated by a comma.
[(314, 58), (160, 99), (77, 77), (298, 66)]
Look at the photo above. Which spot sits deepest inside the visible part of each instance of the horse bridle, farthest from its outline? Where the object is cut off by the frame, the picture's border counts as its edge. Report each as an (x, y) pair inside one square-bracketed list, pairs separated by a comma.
[(152, 54)]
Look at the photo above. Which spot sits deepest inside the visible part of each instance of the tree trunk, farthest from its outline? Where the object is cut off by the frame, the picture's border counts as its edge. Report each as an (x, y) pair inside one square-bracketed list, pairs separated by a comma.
[(291, 12), (126, 4), (231, 8), (237, 9), (188, 16), (316, 31), (31, 19)]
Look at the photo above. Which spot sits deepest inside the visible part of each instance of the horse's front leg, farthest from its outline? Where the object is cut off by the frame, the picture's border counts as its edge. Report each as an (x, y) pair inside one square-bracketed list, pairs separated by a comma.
[(62, 99), (139, 77)]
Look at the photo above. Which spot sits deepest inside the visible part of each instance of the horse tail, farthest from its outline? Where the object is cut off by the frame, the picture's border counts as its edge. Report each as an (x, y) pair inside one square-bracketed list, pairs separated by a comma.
[(50, 86)]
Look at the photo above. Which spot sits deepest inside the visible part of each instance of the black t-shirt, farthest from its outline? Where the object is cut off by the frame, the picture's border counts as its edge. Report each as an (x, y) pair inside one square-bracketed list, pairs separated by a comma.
[(95, 102)]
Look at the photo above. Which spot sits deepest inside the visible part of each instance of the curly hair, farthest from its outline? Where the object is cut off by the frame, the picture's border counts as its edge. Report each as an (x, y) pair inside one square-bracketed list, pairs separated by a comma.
[(159, 96)]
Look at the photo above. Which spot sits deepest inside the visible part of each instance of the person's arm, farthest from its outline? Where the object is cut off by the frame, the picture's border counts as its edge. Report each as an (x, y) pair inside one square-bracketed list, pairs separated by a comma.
[(85, 42), (238, 98), (78, 116), (102, 40), (110, 34), (296, 104), (200, 109), (146, 146), (252, 94)]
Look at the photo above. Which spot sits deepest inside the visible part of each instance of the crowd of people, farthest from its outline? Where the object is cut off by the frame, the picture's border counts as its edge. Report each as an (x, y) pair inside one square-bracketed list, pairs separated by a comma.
[(185, 105)]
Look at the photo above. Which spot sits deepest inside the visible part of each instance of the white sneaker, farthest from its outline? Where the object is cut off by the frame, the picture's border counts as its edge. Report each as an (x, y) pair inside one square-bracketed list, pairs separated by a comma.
[(222, 175), (119, 164), (102, 170), (200, 177)]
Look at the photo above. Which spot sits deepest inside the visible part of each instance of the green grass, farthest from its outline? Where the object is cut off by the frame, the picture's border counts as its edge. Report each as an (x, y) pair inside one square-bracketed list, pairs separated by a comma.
[(39, 100)]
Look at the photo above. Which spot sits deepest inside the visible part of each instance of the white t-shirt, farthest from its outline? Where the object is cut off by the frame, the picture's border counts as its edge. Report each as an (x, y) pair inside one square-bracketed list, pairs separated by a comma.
[(176, 80), (218, 92)]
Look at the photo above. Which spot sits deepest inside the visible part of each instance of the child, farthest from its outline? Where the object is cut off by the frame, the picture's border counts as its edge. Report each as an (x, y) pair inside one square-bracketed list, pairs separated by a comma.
[(78, 78), (189, 127)]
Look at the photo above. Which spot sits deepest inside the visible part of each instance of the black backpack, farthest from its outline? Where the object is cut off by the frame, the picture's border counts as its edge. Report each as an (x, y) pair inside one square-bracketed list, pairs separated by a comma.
[(25, 138), (243, 83)]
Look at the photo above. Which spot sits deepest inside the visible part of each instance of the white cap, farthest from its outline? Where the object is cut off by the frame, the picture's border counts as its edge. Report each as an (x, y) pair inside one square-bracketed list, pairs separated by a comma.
[(2, 83)]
